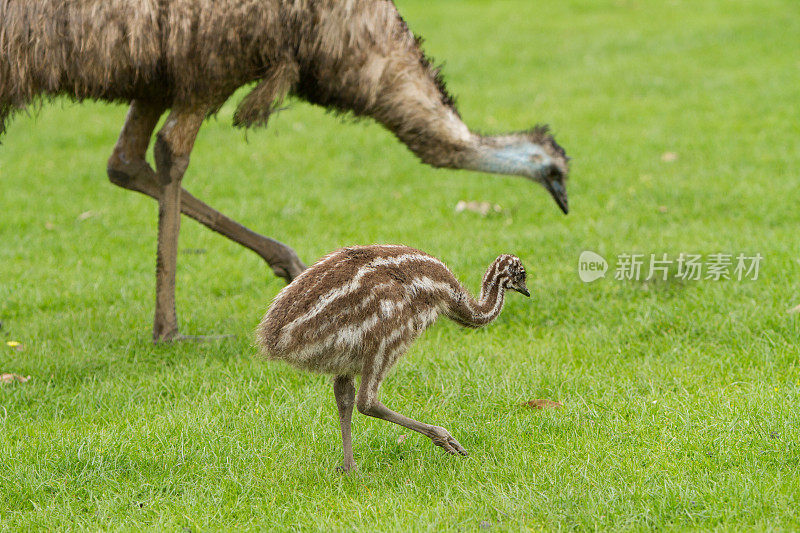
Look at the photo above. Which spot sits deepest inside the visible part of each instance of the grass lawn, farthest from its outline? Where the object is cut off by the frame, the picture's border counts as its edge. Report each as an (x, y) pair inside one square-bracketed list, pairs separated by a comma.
[(680, 397)]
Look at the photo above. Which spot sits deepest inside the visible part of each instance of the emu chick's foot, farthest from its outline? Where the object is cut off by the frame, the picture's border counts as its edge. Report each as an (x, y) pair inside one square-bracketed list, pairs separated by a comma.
[(441, 437), (177, 337)]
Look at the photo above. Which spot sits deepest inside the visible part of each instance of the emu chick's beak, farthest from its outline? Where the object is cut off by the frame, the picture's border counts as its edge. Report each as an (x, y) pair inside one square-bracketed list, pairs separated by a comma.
[(559, 194), (522, 290)]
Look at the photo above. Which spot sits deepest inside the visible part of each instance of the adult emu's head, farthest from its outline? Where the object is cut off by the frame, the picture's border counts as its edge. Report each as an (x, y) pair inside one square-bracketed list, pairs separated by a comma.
[(533, 154)]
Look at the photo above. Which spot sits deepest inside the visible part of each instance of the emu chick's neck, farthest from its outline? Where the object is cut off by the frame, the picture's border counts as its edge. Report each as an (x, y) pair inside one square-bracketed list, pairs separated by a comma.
[(473, 314)]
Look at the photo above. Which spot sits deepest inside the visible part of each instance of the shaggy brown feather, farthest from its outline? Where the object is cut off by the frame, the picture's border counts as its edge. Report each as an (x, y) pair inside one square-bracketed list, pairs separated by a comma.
[(354, 56), (186, 50)]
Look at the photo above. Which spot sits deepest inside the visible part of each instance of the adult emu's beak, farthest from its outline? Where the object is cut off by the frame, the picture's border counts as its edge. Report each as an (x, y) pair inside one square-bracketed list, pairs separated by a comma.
[(559, 194)]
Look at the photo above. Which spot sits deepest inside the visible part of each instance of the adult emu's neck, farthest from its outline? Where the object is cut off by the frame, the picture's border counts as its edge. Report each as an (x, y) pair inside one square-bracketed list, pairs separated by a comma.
[(465, 310), (360, 57)]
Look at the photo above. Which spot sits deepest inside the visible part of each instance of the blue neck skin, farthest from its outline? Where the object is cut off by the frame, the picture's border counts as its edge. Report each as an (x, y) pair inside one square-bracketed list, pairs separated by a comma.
[(526, 160)]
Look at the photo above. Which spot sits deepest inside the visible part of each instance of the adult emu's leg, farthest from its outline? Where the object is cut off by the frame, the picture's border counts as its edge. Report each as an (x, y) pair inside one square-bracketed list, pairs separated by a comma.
[(128, 168), (172, 148), (345, 393), (368, 404)]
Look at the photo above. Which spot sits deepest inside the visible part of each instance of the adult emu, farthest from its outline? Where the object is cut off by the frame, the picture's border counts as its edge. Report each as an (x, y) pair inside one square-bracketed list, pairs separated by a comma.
[(188, 56)]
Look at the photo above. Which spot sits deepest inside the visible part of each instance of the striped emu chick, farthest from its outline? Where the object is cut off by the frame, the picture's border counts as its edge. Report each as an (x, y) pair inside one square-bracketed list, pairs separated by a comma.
[(357, 310)]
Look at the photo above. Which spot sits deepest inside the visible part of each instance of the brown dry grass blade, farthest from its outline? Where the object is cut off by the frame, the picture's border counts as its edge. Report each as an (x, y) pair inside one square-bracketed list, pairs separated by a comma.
[(542, 404), (11, 378)]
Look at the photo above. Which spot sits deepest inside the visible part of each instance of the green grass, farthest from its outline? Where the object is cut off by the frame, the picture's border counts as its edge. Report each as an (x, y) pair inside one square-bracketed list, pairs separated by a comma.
[(680, 397)]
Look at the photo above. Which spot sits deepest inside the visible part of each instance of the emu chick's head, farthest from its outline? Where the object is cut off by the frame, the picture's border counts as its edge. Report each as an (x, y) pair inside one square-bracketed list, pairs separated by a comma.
[(511, 274)]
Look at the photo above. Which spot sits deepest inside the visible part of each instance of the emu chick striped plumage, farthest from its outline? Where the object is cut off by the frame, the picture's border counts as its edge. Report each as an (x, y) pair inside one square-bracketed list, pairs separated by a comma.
[(357, 310)]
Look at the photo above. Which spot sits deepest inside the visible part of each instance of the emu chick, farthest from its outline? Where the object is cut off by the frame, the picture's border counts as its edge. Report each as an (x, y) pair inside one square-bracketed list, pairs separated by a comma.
[(357, 310)]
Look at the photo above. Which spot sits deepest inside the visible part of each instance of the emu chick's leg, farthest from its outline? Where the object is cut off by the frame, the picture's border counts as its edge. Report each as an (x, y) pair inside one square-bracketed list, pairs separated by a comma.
[(368, 404), (128, 168), (345, 393)]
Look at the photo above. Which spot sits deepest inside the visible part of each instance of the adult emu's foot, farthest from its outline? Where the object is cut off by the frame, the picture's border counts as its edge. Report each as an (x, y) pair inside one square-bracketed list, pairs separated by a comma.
[(344, 469), (178, 337)]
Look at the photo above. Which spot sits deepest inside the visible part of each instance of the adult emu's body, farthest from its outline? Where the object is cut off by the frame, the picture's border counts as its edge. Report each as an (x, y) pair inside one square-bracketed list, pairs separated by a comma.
[(189, 56)]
